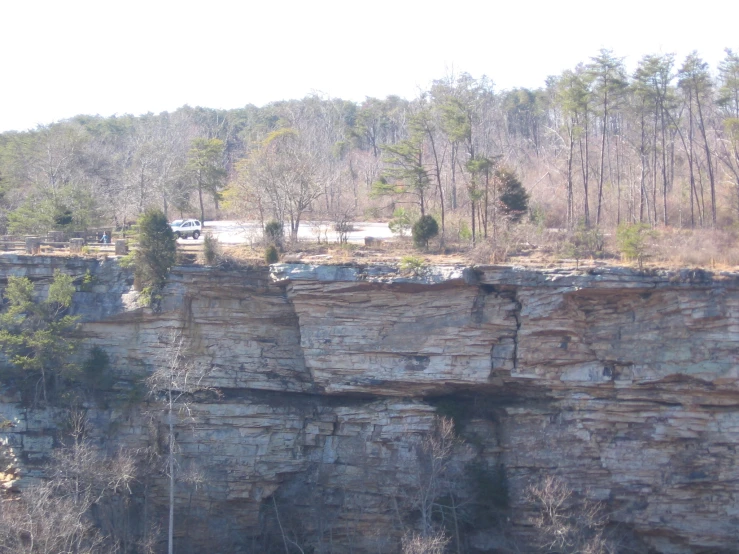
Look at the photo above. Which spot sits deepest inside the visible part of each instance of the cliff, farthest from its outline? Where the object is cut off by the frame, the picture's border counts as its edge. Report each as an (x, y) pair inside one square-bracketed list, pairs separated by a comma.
[(622, 383)]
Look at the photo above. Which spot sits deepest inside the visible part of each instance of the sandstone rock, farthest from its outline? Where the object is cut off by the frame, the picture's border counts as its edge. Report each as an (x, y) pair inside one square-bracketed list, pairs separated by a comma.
[(623, 383)]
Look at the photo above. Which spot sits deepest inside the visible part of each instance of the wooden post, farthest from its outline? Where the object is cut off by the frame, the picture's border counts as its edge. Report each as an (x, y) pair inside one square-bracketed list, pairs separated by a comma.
[(75, 245), (120, 247), (33, 245)]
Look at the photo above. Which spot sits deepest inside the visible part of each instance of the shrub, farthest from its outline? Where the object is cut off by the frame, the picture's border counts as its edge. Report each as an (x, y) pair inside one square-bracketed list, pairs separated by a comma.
[(632, 240), (87, 282), (413, 543), (211, 250), (274, 232), (465, 233), (96, 369), (583, 242), (423, 230), (412, 264), (343, 228), (157, 251), (271, 255), (513, 196)]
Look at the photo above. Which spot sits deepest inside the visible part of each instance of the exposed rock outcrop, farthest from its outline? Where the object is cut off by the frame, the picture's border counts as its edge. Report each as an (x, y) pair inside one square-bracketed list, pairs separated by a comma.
[(623, 383)]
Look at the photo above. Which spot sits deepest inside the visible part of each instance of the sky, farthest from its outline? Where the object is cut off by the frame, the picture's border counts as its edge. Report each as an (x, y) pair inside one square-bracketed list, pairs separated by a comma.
[(61, 58)]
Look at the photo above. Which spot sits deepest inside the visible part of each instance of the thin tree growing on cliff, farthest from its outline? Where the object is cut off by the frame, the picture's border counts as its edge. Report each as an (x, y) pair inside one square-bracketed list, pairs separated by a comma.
[(434, 496), (172, 386)]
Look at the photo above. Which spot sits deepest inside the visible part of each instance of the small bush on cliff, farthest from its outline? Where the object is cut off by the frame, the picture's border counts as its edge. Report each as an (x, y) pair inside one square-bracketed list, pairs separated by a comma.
[(157, 251), (413, 543), (96, 373), (413, 265), (274, 232), (211, 250), (271, 255)]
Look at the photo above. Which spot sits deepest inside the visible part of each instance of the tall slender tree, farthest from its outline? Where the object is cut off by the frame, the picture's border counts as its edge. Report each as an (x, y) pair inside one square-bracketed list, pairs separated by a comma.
[(695, 80), (205, 163), (728, 101), (652, 81), (609, 81)]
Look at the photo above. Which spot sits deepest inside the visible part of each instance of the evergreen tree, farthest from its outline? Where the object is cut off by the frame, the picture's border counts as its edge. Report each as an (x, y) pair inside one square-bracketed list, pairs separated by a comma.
[(513, 196), (205, 162), (424, 230), (38, 336), (157, 250)]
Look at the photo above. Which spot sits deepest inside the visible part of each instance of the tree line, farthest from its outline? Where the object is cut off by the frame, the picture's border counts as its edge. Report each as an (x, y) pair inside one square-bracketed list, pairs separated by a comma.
[(595, 146)]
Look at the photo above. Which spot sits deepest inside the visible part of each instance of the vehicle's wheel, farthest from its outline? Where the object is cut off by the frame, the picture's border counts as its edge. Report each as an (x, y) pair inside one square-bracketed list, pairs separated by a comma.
[(177, 235), (195, 234)]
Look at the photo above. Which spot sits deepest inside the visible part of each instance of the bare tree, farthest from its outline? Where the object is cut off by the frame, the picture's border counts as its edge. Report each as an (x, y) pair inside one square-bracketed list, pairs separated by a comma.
[(417, 544), (172, 386), (56, 515), (44, 522), (286, 169), (437, 496), (566, 524)]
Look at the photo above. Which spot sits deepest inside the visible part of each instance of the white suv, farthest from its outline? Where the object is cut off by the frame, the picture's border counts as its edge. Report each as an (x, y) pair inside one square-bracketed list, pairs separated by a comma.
[(186, 228)]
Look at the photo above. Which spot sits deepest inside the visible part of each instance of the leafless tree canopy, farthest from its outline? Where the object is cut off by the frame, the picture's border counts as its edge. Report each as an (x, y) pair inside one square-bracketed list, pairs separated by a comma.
[(567, 523)]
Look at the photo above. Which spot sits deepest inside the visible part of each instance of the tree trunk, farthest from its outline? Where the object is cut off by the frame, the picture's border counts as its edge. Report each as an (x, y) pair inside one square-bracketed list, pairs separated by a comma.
[(437, 172), (664, 165), (585, 174), (702, 127), (454, 176), (170, 534), (602, 153), (200, 198), (485, 214), (570, 192), (654, 172)]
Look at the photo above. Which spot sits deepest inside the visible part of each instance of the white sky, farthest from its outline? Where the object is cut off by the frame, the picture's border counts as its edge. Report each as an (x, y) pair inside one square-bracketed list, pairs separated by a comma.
[(61, 58)]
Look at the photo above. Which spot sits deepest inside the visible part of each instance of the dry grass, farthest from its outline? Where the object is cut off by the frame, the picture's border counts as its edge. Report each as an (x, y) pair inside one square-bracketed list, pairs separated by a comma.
[(708, 248), (524, 244)]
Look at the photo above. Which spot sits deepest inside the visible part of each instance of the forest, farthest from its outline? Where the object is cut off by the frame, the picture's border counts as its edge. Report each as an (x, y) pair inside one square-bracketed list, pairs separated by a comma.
[(595, 148)]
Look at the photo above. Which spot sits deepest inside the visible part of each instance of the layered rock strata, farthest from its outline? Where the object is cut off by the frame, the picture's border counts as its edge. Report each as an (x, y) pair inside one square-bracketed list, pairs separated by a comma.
[(622, 383)]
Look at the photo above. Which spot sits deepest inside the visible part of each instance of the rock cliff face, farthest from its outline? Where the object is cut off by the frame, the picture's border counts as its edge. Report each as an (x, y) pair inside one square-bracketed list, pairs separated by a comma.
[(622, 383)]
